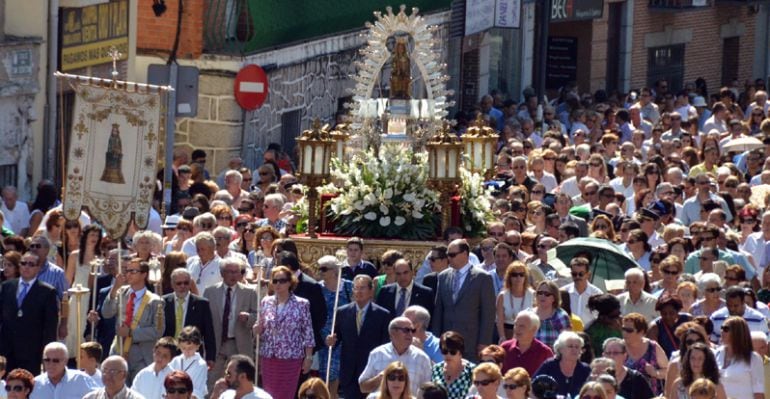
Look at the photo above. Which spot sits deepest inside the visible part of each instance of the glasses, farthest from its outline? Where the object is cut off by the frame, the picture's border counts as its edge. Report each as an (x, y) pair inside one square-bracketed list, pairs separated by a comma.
[(181, 390), (452, 254), (182, 283), (132, 271), (513, 244), (445, 351), (708, 238), (51, 360), (241, 225), (595, 164), (487, 248), (323, 269), (28, 264), (725, 328), (543, 246), (435, 258), (537, 213), (511, 387), (670, 272), (537, 192), (590, 397), (35, 246), (396, 377), (703, 183), (613, 353), (225, 218), (629, 329), (71, 226), (692, 341), (517, 275), (112, 371), (578, 274), (482, 383), (544, 293), (602, 226), (14, 388), (590, 193), (277, 281), (406, 330), (206, 226), (748, 221), (713, 289)]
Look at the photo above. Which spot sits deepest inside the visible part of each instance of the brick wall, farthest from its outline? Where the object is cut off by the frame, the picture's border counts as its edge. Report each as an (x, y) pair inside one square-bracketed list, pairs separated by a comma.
[(157, 33), (703, 53)]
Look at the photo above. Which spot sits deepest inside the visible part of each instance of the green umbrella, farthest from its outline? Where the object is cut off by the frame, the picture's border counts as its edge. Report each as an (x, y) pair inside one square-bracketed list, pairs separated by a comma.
[(609, 261)]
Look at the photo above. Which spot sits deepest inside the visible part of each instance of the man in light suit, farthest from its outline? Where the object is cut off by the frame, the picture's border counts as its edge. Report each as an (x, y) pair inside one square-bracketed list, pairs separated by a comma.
[(195, 312), (465, 301), (140, 320), (233, 312), (390, 296)]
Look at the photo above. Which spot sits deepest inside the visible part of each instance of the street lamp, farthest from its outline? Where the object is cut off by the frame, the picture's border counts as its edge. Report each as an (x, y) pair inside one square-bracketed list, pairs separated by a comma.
[(315, 151), (340, 135), (444, 155), (480, 144)]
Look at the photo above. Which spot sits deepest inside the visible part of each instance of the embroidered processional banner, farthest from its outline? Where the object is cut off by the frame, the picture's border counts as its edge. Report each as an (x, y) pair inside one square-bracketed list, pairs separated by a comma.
[(113, 153)]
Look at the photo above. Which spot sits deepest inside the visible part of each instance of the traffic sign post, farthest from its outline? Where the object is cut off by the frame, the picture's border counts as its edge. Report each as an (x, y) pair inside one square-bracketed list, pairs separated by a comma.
[(251, 87)]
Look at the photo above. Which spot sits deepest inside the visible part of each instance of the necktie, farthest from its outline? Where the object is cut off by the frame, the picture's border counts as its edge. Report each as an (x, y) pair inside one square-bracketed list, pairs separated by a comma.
[(130, 309), (179, 315), (401, 302), (359, 319), (456, 284), (226, 315), (22, 293)]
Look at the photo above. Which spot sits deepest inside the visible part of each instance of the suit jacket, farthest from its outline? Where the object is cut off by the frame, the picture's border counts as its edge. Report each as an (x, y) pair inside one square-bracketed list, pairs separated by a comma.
[(431, 281), (23, 337), (354, 353), (199, 315), (421, 295), (148, 329), (364, 267), (245, 301), (580, 222), (472, 314), (310, 289)]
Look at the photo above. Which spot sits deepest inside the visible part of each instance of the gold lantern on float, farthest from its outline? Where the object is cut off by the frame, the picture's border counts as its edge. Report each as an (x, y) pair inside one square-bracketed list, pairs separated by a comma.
[(315, 151), (444, 156), (340, 135), (480, 142)]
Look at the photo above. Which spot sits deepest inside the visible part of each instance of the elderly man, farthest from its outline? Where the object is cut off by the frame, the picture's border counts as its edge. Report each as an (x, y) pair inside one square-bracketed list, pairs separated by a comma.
[(183, 308), (271, 210), (423, 338), (201, 223), (465, 301), (204, 268), (635, 299), (233, 181), (16, 212), (405, 291), (399, 349), (223, 236), (114, 374), (523, 350), (58, 381)]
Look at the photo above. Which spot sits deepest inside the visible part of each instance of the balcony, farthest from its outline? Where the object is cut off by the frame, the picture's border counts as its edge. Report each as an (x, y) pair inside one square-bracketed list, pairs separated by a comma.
[(227, 27), (679, 5)]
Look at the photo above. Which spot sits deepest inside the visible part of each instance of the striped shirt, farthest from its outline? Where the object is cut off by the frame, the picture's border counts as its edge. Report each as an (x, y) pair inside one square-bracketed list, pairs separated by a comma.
[(753, 317), (54, 275)]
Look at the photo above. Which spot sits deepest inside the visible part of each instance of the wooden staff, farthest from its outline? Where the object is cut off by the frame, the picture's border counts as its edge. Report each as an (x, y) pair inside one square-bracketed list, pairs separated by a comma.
[(78, 291), (334, 322), (120, 296), (259, 312)]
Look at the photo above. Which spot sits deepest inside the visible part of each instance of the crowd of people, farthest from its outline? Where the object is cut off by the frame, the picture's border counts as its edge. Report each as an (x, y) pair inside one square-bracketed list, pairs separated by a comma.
[(215, 302)]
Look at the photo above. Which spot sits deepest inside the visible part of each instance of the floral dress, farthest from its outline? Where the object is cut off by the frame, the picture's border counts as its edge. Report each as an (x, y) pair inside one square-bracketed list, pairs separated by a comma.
[(648, 357), (459, 388), (346, 295)]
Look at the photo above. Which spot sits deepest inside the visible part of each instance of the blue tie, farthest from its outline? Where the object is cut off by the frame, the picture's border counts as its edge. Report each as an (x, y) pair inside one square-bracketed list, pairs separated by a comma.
[(22, 294), (456, 284), (401, 302)]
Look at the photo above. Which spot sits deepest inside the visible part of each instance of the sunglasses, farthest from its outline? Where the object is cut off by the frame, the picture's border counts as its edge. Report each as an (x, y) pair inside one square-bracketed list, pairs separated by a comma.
[(181, 390), (207, 225), (482, 383), (396, 377), (452, 254), (28, 264), (35, 246), (405, 330), (14, 388), (725, 328), (590, 397), (182, 283), (519, 275), (51, 360), (511, 387), (670, 272), (713, 289), (628, 329), (277, 281), (445, 351), (241, 225), (578, 274), (435, 258), (544, 293)]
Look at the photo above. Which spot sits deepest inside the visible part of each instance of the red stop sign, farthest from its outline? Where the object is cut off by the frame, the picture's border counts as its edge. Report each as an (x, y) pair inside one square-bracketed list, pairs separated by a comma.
[(250, 87)]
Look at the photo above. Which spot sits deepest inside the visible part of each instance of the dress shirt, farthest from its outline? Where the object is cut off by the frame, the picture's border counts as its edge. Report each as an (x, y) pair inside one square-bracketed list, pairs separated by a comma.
[(363, 314), (432, 347), (416, 361), (137, 300), (579, 302), (233, 306), (19, 287), (184, 305), (691, 209), (461, 274), (54, 275), (406, 298), (256, 394), (74, 384), (644, 306), (195, 366), (125, 393), (150, 384), (205, 275)]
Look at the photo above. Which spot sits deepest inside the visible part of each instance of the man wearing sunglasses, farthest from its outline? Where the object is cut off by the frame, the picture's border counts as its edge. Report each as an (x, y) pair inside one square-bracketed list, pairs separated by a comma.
[(580, 289), (692, 206), (183, 308)]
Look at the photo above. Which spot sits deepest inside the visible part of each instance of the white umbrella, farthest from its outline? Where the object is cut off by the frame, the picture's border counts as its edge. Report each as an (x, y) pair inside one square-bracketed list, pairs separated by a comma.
[(743, 144)]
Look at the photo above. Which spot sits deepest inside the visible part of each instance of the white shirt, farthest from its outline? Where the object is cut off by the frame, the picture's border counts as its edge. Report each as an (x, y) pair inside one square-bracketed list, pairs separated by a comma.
[(149, 384), (741, 380), (16, 219), (644, 306), (570, 187), (97, 377), (417, 363), (407, 296), (196, 368), (257, 394), (579, 302), (74, 384), (205, 275)]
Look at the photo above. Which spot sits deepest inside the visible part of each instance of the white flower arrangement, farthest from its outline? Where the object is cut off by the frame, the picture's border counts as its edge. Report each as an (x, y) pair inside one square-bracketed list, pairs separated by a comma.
[(475, 208)]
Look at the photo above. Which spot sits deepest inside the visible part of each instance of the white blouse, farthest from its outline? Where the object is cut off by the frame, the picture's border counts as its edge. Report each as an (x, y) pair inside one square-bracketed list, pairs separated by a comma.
[(741, 380)]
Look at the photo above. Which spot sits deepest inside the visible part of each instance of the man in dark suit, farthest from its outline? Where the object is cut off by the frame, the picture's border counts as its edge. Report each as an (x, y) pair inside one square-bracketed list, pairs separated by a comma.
[(405, 291), (361, 326), (309, 289), (29, 314), (465, 301), (355, 264), (562, 205), (438, 263), (195, 311)]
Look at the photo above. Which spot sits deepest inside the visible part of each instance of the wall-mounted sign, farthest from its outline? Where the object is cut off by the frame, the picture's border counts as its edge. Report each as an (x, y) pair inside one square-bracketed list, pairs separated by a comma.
[(88, 33), (576, 10), (561, 66), (481, 15)]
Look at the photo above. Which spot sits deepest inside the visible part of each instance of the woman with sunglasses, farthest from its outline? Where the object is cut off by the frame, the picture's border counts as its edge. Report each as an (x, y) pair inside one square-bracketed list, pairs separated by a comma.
[(644, 354), (395, 383), (178, 385), (536, 213), (698, 362), (740, 367), (387, 271), (517, 384), (662, 328), (313, 388), (597, 169), (592, 390), (516, 296), (553, 319), (604, 224), (566, 367), (329, 269), (486, 380), (631, 383), (747, 223), (670, 268), (688, 334), (454, 373), (19, 384), (184, 231), (287, 336), (262, 256), (711, 286), (638, 247)]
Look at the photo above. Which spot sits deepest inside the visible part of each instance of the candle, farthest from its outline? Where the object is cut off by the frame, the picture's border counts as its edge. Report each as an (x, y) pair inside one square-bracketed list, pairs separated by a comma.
[(307, 159), (452, 165), (441, 163), (478, 155), (318, 161)]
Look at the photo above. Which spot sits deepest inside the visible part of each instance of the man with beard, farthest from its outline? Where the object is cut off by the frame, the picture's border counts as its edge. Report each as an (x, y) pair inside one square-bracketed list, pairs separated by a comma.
[(238, 381)]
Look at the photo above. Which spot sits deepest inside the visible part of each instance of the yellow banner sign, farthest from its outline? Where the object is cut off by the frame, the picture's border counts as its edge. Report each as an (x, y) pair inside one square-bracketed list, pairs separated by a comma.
[(88, 33)]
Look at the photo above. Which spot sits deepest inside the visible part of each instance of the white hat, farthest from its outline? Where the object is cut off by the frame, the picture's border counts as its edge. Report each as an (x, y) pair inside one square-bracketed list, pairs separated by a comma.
[(171, 222), (699, 101)]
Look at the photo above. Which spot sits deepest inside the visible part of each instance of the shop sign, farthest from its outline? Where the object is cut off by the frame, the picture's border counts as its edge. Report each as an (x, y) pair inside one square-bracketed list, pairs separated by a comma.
[(576, 10)]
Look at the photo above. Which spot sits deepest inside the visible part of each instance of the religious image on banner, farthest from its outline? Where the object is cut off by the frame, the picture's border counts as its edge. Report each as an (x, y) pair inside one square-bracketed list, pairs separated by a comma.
[(113, 154)]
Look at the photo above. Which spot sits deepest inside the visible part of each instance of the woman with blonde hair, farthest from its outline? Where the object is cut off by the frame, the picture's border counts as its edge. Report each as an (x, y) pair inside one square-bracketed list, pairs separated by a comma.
[(313, 388), (604, 224), (592, 390), (395, 383), (597, 168), (517, 383), (516, 296), (536, 213), (486, 379)]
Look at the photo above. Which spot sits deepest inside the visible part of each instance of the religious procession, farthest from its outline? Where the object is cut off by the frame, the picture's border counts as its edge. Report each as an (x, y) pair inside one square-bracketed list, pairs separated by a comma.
[(606, 245)]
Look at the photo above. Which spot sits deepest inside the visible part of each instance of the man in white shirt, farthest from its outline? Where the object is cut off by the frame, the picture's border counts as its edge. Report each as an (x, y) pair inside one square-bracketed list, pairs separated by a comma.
[(204, 268), (635, 299), (580, 289), (718, 119), (202, 223), (756, 243), (238, 381), (149, 380), (58, 381), (16, 212), (400, 349), (736, 306)]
